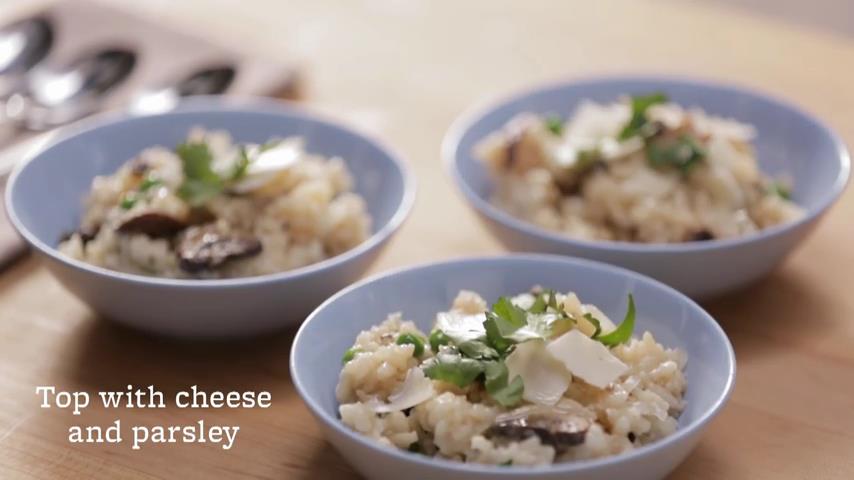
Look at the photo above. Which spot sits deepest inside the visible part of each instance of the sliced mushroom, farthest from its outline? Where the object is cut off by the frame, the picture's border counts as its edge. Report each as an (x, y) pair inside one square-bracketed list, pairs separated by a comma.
[(204, 247), (152, 223), (139, 167), (555, 426), (86, 234), (702, 236)]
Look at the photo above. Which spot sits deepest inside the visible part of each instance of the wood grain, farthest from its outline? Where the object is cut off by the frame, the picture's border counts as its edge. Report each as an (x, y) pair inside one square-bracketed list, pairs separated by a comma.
[(405, 70)]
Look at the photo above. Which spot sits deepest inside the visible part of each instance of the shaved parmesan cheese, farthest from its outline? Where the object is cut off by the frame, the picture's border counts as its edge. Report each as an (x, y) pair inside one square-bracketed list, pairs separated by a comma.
[(415, 389), (586, 358), (545, 378), (460, 327), (266, 165), (538, 326)]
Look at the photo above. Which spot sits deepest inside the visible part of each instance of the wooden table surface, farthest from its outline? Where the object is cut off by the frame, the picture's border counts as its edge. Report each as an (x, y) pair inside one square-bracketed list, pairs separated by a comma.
[(405, 69)]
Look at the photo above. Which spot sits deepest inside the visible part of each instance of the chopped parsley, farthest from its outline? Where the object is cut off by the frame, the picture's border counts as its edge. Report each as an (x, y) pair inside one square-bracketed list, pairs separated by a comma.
[(639, 124), (482, 359), (128, 201), (506, 393), (780, 189), (684, 153), (201, 182), (241, 166), (148, 183), (132, 198), (478, 350), (554, 124), (507, 317), (595, 322), (453, 368), (623, 332)]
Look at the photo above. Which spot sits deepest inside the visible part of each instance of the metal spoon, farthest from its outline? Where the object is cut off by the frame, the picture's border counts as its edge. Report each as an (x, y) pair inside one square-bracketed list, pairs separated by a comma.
[(56, 97), (208, 81), (23, 44)]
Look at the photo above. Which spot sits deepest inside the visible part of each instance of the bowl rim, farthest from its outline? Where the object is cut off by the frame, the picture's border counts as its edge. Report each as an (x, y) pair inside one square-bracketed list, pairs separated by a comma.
[(215, 104), (681, 434), (451, 156)]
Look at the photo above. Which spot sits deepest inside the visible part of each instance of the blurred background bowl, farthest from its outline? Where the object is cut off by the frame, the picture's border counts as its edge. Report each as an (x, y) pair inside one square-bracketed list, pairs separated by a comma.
[(420, 292), (790, 142), (45, 194)]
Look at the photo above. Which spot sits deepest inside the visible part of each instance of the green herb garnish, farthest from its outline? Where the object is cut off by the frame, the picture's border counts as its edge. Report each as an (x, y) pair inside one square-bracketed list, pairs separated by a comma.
[(554, 124), (780, 189), (350, 354), (494, 338), (148, 183), (507, 394), (684, 153), (477, 350), (453, 368), (437, 339), (596, 325), (201, 183), (507, 317), (586, 158), (639, 123), (128, 201), (623, 332), (241, 166), (412, 339), (269, 145)]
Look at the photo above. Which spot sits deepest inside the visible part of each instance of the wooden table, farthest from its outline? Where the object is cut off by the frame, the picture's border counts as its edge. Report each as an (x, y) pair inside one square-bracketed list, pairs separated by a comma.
[(405, 69)]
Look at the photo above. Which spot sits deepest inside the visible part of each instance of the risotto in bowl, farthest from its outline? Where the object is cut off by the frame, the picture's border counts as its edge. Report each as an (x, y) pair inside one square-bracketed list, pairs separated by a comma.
[(463, 370), (221, 218), (706, 187)]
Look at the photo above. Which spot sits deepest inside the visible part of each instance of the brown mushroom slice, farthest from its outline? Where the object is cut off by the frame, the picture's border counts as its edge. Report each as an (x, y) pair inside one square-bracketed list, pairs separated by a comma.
[(555, 426), (152, 223), (205, 247)]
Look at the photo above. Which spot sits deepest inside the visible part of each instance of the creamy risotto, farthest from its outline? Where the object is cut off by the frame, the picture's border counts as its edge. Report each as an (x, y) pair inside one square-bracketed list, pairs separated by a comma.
[(535, 379), (640, 170), (210, 208)]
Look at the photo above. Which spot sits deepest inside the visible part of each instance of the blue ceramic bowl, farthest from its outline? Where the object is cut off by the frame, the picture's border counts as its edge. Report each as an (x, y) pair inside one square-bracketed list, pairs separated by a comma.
[(420, 292), (44, 200), (789, 142)]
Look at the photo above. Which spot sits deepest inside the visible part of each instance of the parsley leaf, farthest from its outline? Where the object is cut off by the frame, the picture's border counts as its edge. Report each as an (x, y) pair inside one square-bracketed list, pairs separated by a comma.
[(128, 201), (508, 317), (684, 153), (494, 338), (452, 368), (507, 394), (623, 333), (201, 183), (241, 166), (638, 121), (554, 124), (148, 183), (477, 350), (780, 189), (437, 339), (595, 321)]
